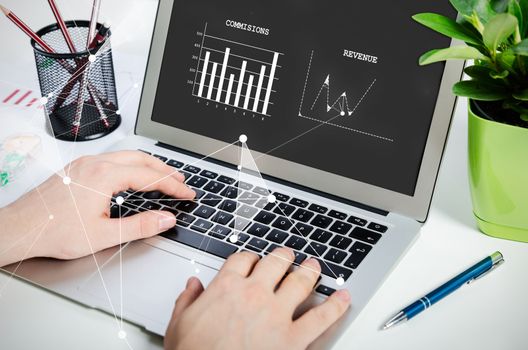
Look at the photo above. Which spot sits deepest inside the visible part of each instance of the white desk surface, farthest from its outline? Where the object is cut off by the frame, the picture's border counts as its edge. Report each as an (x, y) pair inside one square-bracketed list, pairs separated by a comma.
[(489, 314)]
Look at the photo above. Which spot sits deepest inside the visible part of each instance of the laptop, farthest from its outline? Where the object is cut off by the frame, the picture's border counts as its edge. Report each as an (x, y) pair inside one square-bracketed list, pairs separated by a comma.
[(307, 124)]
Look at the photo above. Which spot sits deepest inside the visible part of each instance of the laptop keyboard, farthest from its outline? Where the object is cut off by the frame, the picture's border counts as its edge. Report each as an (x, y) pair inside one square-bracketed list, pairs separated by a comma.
[(339, 241)]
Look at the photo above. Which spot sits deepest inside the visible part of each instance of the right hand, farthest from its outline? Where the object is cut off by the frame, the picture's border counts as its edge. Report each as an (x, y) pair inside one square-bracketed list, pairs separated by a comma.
[(249, 306)]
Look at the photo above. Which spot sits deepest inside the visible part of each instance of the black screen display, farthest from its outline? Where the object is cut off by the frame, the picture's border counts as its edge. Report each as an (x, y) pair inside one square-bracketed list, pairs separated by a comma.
[(334, 84)]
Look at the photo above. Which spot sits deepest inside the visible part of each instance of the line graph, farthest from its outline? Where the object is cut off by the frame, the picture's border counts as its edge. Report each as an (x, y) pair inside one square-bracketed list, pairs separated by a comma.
[(340, 105)]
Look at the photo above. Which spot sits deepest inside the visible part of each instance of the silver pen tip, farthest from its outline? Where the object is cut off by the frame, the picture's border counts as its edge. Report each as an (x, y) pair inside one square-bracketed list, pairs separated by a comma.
[(395, 320)]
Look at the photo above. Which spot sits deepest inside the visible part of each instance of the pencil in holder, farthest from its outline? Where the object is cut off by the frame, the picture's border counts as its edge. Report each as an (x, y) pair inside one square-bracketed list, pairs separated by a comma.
[(78, 89)]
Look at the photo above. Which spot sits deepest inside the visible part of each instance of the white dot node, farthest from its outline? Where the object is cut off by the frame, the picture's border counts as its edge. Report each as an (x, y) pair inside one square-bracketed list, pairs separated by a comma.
[(233, 238), (66, 180), (243, 138), (44, 100), (51, 217), (136, 85), (91, 58), (121, 334), (272, 198), (120, 200), (193, 261), (340, 281), (118, 112), (239, 167), (342, 114), (197, 271)]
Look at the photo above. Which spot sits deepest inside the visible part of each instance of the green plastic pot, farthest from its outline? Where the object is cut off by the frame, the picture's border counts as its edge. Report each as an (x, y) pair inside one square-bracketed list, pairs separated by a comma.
[(498, 176)]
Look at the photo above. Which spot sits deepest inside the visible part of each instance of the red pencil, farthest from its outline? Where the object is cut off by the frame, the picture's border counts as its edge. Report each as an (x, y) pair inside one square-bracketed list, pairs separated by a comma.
[(62, 26), (18, 22)]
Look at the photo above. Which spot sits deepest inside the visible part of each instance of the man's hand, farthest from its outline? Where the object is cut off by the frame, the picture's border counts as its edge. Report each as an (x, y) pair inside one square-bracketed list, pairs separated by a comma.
[(249, 306), (68, 221)]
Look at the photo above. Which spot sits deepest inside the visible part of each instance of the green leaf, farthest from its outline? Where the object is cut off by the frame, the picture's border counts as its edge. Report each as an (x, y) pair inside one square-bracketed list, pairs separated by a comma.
[(498, 29), (524, 117), (468, 8), (480, 91), (521, 95), (500, 6), (500, 75), (447, 27), (464, 7), (451, 53), (521, 48), (515, 10), (478, 72), (523, 4)]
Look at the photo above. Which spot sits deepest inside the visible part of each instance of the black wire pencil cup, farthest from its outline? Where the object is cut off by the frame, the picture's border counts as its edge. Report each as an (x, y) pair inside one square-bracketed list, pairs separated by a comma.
[(78, 89)]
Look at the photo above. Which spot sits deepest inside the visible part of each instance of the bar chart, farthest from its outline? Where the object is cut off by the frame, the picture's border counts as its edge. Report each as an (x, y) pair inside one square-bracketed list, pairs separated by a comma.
[(237, 75)]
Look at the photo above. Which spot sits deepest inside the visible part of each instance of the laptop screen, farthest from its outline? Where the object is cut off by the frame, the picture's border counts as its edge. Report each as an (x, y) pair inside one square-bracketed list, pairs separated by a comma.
[(334, 85)]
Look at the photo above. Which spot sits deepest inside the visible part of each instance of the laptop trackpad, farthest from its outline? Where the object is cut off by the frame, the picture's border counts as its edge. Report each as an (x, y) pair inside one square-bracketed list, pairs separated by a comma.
[(146, 287)]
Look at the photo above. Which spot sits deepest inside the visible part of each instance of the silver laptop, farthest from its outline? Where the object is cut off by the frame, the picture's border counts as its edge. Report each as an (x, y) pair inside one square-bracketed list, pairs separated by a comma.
[(345, 134)]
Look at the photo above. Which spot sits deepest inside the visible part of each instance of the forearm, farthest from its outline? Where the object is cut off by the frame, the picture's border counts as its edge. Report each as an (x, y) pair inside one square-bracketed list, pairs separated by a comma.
[(18, 233)]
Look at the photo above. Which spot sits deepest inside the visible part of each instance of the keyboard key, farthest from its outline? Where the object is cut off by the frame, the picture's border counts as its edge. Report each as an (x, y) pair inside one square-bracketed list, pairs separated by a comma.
[(321, 221), (256, 244), (211, 199), (201, 226), (246, 211), (208, 174), (204, 212), (271, 248), (244, 185), (230, 192), (150, 206), (359, 252), (325, 290), (318, 208), (248, 198), (333, 270), (162, 158), (146, 152), (229, 206), (265, 217), (299, 257), (239, 224), (377, 227), (282, 223), (187, 206), (302, 215), (201, 242), (264, 204), (281, 197), (340, 242), (199, 193), (284, 209), (197, 181), (185, 219), (262, 191), (335, 255), (340, 227), (321, 236), (192, 169), (186, 174), (258, 230), (241, 238), (299, 202), (222, 218), (214, 187), (277, 236), (152, 195), (220, 232), (316, 249), (175, 163), (357, 221), (337, 215), (226, 180), (301, 229), (365, 235), (296, 242), (117, 212)]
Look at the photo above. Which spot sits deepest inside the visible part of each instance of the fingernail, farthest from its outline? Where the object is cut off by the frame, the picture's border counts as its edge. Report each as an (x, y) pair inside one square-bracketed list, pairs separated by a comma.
[(313, 263), (166, 222), (343, 294), (180, 177), (190, 282), (191, 193)]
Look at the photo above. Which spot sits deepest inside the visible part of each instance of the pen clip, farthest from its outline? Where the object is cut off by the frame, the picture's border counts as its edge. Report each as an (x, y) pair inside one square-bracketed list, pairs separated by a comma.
[(497, 264)]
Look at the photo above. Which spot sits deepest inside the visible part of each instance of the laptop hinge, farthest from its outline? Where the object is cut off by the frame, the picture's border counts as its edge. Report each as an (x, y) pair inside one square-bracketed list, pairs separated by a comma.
[(281, 181)]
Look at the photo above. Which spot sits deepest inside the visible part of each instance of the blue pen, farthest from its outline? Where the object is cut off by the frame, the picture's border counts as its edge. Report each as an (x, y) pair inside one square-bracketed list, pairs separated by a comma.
[(473, 273)]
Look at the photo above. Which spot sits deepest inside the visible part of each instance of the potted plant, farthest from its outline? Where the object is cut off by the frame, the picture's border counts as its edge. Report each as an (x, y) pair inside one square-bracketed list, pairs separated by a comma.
[(495, 34)]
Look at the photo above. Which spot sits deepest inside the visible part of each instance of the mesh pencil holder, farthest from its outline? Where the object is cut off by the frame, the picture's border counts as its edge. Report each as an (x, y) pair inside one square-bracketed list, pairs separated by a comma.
[(78, 88)]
